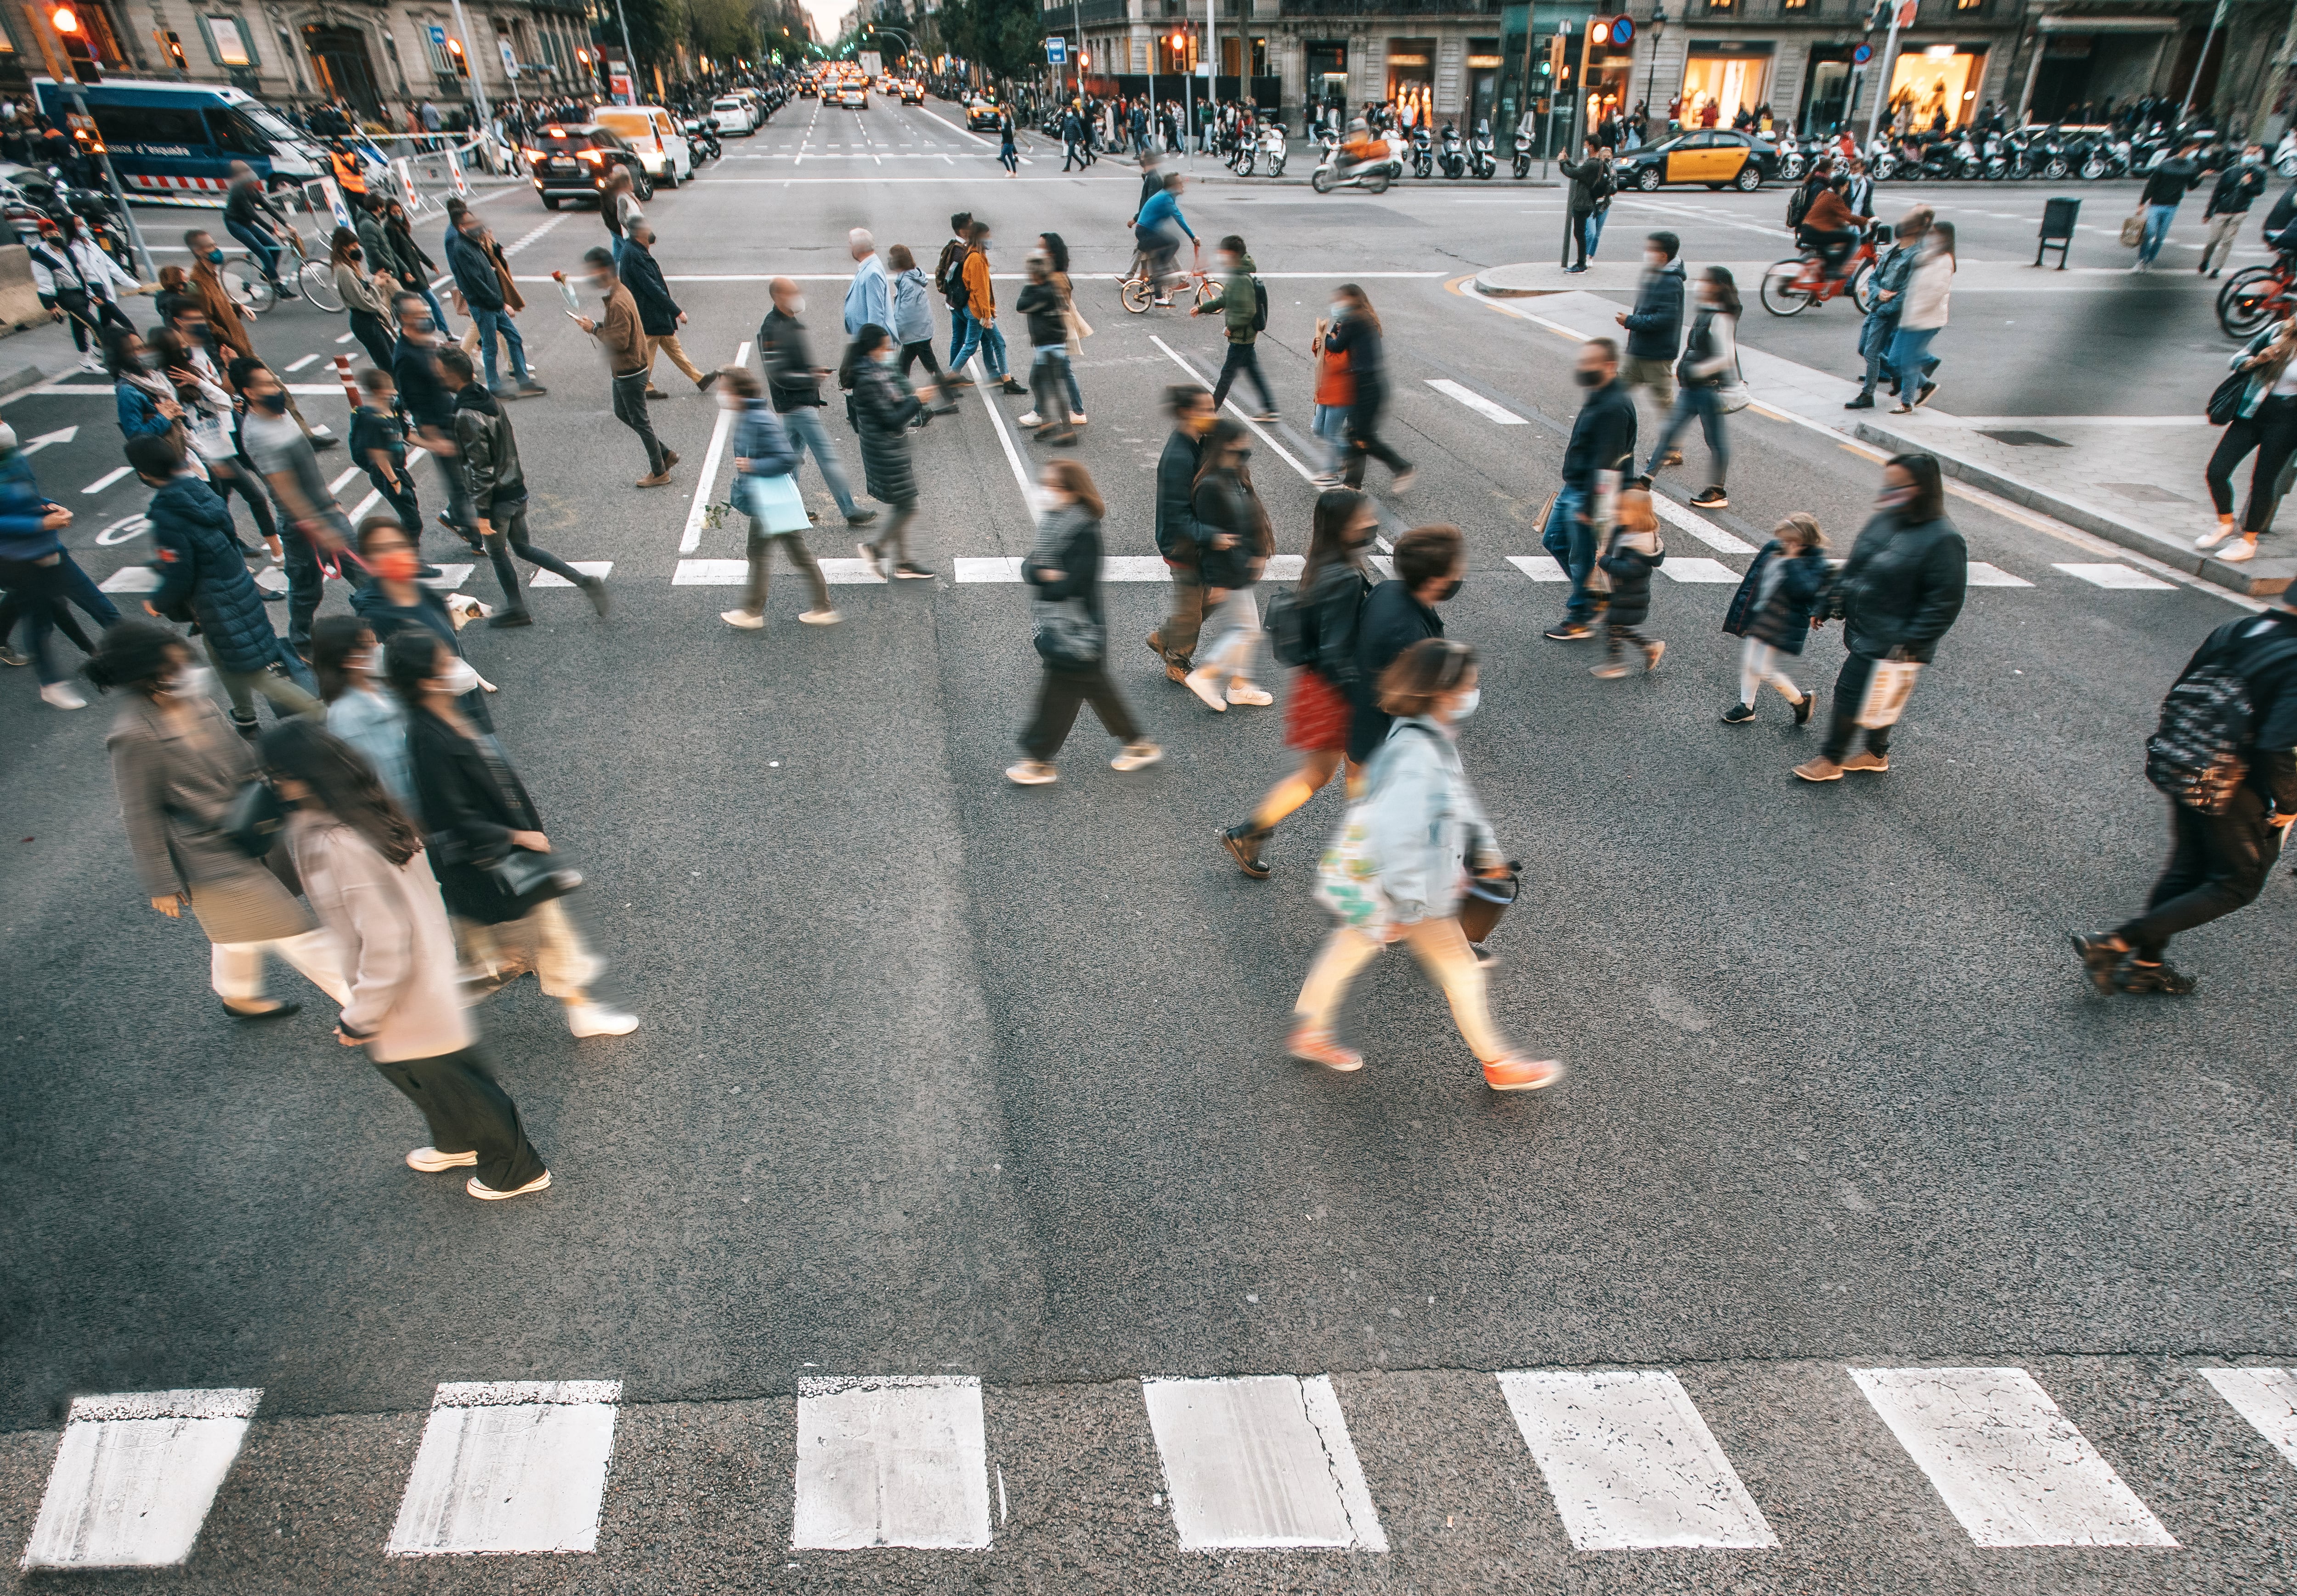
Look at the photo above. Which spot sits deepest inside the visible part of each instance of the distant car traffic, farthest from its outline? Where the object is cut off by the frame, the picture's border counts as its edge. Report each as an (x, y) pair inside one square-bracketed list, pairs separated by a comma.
[(808, 89), (1715, 156), (982, 116), (655, 139), (913, 94), (733, 115), (854, 97)]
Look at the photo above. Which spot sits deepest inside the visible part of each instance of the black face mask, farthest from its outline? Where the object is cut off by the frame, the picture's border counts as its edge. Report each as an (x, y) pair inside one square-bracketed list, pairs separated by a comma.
[(1450, 590), (1589, 379)]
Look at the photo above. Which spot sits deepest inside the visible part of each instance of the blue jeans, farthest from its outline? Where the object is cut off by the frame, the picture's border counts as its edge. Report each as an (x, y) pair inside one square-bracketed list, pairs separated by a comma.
[(1707, 404), (959, 322), (981, 335), (804, 425), (1572, 542), (2157, 228), (1910, 358), (1330, 424), (261, 245), (1594, 231), (489, 323)]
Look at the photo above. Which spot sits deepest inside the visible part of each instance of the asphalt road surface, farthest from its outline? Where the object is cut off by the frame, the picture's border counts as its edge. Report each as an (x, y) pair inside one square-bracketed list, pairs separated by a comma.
[(957, 1111)]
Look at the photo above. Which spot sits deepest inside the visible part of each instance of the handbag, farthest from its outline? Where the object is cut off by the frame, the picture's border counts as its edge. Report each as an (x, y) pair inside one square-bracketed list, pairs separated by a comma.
[(775, 501), (2225, 402), (255, 819), (1887, 692), (1487, 899), (2133, 228), (530, 880), (1735, 395)]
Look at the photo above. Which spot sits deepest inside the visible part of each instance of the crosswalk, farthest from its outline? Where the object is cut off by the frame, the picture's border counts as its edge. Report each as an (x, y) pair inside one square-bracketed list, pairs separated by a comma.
[(1253, 1462)]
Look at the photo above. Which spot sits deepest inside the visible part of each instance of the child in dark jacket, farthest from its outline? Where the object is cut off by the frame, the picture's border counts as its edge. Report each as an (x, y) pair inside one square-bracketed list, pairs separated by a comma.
[(1772, 611), (379, 447), (1634, 552)]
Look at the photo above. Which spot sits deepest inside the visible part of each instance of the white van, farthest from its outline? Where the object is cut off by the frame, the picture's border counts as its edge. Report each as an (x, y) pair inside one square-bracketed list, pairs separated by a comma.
[(733, 115), (653, 134)]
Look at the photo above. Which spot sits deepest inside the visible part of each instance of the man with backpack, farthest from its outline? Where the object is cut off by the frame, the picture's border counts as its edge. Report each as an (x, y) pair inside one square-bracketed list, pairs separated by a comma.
[(2225, 754), (1592, 189), (949, 278), (1243, 305)]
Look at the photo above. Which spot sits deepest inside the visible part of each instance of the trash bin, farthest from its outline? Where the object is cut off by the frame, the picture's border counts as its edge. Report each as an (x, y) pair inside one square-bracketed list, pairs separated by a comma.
[(2057, 228)]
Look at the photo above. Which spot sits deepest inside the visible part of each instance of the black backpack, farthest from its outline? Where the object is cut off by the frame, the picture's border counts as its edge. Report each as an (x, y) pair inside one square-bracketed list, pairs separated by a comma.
[(1798, 205), (2198, 752), (1259, 306)]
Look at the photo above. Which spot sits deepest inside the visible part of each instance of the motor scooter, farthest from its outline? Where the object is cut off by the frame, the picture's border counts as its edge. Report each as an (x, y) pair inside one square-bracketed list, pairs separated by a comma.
[(1423, 152), (1451, 157), (1372, 175), (1482, 162)]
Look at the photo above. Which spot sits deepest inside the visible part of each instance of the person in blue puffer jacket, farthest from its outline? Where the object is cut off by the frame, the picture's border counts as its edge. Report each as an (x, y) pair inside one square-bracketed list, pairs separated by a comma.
[(201, 572), (762, 452), (146, 400), (40, 577)]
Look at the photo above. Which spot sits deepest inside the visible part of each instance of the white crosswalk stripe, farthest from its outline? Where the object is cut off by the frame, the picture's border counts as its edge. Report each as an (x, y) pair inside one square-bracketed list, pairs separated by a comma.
[(135, 1476), (509, 1466), (1983, 575), (2011, 1470), (551, 578), (898, 1460), (2112, 574), (1696, 570), (1476, 402), (2267, 1398), (1699, 527), (1539, 568), (1630, 1462), (1260, 1460)]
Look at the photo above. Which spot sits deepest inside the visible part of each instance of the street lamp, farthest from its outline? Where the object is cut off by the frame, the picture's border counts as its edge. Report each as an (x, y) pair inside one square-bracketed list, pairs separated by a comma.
[(1658, 27)]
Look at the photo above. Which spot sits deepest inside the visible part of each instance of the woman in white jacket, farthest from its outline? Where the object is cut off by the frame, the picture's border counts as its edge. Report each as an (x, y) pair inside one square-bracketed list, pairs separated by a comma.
[(363, 869), (1919, 321), (1400, 864)]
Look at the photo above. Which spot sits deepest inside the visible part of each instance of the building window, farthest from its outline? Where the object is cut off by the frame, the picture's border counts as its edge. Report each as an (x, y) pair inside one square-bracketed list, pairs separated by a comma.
[(1962, 5), (227, 44), (1794, 4), (1722, 7)]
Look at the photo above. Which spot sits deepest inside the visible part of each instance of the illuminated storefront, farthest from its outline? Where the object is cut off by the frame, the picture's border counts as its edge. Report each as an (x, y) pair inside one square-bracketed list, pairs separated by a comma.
[(1721, 80), (1937, 84)]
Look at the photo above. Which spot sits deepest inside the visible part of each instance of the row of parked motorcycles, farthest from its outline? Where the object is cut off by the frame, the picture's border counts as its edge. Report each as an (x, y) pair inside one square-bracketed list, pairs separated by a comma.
[(29, 195), (1971, 154), (1424, 153)]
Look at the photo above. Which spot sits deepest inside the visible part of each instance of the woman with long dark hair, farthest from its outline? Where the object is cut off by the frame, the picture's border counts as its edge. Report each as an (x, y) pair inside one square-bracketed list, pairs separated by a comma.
[(362, 864), (347, 659), (178, 768), (368, 301), (1056, 257), (210, 425), (1334, 583), (1354, 335), (400, 230), (1710, 358), (883, 409), (146, 400), (1235, 541)]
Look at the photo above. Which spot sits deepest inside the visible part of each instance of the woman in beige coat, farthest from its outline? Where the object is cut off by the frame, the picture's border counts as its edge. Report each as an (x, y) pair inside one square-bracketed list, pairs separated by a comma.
[(362, 863), (178, 765)]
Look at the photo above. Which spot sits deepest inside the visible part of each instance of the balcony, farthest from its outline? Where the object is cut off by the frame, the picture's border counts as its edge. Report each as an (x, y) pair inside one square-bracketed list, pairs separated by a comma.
[(1390, 8)]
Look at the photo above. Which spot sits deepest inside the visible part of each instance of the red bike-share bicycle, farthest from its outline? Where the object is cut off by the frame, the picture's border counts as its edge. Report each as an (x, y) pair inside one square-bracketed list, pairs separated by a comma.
[(1794, 286)]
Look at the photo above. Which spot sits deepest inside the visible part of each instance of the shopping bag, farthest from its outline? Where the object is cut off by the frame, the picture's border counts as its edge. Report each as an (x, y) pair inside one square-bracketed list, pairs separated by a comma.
[(2133, 229), (775, 501), (1887, 692)]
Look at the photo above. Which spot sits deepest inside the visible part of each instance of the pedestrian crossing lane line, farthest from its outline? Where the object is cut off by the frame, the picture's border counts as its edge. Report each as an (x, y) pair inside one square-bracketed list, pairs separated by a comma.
[(1696, 570), (1541, 568), (106, 480), (1476, 402), (2011, 1468), (135, 1476), (1699, 527), (1260, 1460), (897, 1461), (1983, 575), (1114, 568), (2267, 1398), (509, 1466), (551, 578), (1630, 1462), (2113, 574)]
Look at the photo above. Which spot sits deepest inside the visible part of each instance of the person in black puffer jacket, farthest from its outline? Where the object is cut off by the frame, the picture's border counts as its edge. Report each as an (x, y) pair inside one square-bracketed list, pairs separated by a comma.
[(1356, 337), (1049, 345), (203, 573), (1772, 611), (1633, 553), (883, 409), (1334, 585), (497, 485), (1236, 545), (1901, 590)]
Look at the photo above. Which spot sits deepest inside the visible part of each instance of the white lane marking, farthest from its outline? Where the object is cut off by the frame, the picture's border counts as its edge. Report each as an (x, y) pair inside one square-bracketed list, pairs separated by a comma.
[(837, 573), (1238, 410), (690, 539), (1539, 568), (135, 1476), (509, 1466), (1260, 1460), (2112, 573), (1115, 568), (106, 480), (1004, 436), (551, 578), (337, 485), (299, 365), (1476, 402), (1695, 570), (1983, 575), (64, 435), (346, 338), (1699, 527), (513, 248), (995, 568), (2009, 1466), (711, 573), (373, 497), (2267, 1398), (902, 1460), (1629, 1460), (451, 577), (131, 579)]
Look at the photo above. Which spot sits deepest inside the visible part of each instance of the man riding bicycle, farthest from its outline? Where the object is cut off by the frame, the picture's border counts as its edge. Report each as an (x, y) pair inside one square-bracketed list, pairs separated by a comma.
[(1157, 230), (1829, 226), (248, 216)]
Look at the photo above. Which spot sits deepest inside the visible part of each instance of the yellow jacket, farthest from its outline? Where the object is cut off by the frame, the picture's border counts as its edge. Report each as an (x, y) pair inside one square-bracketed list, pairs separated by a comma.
[(980, 299)]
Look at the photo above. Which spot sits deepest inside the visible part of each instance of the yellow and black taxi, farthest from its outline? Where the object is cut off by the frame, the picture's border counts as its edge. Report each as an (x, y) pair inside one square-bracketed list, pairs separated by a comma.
[(1715, 156), (567, 161), (983, 116)]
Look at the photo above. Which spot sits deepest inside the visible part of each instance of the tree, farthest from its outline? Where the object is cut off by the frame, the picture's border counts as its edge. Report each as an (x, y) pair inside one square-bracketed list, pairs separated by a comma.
[(1002, 36)]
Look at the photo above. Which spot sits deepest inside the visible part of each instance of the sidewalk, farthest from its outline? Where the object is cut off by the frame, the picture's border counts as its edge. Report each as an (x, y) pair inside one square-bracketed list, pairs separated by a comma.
[(2133, 481), (40, 353)]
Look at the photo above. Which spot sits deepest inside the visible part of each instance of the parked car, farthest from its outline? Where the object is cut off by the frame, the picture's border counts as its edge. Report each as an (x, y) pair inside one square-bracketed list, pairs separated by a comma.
[(734, 116), (1715, 156), (572, 162), (654, 135)]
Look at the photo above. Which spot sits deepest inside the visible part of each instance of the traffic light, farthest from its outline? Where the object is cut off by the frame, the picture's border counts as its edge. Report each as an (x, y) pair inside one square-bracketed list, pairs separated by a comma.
[(176, 51), (77, 50), (461, 65), (1557, 60)]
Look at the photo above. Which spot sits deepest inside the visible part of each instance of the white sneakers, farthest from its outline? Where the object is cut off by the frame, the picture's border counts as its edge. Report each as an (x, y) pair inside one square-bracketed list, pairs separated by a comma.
[(596, 1019), (821, 617), (1136, 756), (61, 695), (1245, 693), (1203, 682), (1030, 420), (2215, 535), (488, 1193), (89, 362), (430, 1160), (2239, 549), (1031, 773), (743, 619)]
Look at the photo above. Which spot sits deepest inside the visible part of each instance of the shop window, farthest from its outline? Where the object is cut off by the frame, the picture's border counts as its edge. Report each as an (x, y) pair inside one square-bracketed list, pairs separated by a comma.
[(1722, 7), (1794, 4)]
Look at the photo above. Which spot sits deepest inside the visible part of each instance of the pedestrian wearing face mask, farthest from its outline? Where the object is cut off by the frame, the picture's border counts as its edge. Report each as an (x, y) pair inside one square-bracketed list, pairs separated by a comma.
[(1898, 596), (346, 658), (40, 575), (794, 384), (476, 811), (1880, 327), (1335, 585), (1602, 449), (2237, 188), (395, 600), (623, 341), (1179, 539), (1710, 359), (365, 296), (1396, 873), (913, 326), (762, 454), (1242, 312), (883, 409), (319, 528), (1040, 304), (1235, 541), (430, 411), (1655, 328), (178, 770), (1924, 318), (1354, 335), (1430, 564), (488, 448), (205, 286)]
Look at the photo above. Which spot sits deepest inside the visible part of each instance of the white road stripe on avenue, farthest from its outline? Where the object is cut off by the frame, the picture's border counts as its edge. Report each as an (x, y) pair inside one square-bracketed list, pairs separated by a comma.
[(1114, 568), (2267, 1398), (2011, 1467), (451, 577), (1476, 402), (551, 578), (299, 365), (337, 485), (980, 367), (106, 480), (346, 338), (1260, 431), (1541, 568), (509, 1466), (1983, 575), (135, 1476), (1697, 570), (690, 538), (1629, 1460), (373, 498), (902, 1460), (131, 579), (1699, 527), (2113, 574), (1260, 1460)]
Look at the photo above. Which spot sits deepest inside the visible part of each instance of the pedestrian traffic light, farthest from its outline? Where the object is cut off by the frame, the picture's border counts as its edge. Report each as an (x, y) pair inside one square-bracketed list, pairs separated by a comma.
[(176, 51), (1558, 58)]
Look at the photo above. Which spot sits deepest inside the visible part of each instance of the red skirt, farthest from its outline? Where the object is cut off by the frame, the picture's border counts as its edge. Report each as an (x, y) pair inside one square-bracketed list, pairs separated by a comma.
[(1315, 716)]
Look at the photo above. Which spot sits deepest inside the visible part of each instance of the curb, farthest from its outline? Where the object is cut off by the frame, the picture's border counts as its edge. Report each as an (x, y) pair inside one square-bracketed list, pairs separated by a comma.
[(2246, 577)]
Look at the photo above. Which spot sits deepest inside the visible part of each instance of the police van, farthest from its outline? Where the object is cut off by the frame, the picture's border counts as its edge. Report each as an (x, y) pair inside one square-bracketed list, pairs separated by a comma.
[(181, 138)]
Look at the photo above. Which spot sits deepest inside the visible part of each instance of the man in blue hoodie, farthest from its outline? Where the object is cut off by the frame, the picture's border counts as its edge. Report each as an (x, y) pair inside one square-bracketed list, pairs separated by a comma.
[(1655, 328), (40, 577)]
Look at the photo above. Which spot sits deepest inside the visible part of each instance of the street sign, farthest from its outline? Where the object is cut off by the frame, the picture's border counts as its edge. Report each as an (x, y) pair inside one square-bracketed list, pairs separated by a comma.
[(1907, 9), (1057, 52), (438, 36), (1623, 31), (618, 87), (1863, 54), (510, 58)]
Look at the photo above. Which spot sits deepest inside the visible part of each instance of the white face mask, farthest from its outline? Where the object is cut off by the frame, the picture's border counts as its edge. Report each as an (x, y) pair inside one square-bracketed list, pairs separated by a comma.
[(364, 663), (7, 436), (797, 305), (1337, 310), (457, 679), (189, 681), (1468, 703)]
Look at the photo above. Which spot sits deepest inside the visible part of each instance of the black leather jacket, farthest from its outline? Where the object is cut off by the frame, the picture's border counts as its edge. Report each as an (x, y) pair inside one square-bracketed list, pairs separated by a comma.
[(1902, 587)]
